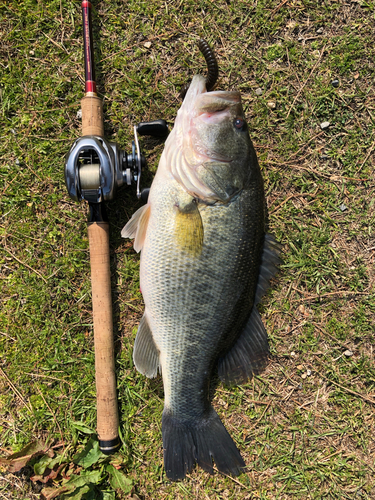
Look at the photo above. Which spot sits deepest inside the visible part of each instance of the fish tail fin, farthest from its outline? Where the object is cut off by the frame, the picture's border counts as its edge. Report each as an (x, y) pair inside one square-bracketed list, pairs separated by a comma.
[(188, 442)]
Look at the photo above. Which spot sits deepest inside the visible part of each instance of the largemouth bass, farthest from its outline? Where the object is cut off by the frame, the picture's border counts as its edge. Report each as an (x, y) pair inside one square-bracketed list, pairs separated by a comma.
[(206, 261)]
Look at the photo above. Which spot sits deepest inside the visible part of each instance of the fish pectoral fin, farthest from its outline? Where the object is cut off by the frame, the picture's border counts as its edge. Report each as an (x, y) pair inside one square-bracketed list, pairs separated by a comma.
[(146, 354), (248, 356), (189, 228), (269, 265), (137, 227)]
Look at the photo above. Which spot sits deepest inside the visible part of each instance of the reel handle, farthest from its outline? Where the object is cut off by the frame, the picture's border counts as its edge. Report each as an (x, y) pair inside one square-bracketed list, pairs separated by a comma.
[(156, 128)]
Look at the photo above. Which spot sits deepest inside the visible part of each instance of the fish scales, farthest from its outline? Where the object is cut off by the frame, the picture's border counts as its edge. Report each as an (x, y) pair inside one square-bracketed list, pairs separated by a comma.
[(205, 257), (209, 295)]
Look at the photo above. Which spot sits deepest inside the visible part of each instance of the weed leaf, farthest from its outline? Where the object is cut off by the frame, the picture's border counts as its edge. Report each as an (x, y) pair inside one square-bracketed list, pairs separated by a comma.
[(85, 477), (50, 493), (85, 492), (90, 455), (45, 461), (48, 474), (75, 482), (17, 461), (118, 480), (82, 428), (108, 495)]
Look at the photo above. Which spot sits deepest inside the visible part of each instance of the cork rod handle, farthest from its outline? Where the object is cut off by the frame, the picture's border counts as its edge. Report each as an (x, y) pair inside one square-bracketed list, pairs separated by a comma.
[(107, 410), (92, 115)]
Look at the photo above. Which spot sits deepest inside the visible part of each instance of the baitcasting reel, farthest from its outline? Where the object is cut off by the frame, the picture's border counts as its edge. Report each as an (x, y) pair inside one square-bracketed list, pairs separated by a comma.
[(95, 168)]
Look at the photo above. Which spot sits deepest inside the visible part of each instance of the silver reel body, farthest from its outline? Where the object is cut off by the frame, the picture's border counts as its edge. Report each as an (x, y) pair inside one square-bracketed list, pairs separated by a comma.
[(96, 168)]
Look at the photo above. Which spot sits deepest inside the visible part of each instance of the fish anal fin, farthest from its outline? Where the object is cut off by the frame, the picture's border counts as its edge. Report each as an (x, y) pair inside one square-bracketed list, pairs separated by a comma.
[(189, 228), (249, 354), (146, 354), (137, 227)]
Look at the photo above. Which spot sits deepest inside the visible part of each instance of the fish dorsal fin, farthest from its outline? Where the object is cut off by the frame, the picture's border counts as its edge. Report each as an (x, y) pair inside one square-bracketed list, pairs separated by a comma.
[(269, 265), (249, 354), (146, 354), (137, 227)]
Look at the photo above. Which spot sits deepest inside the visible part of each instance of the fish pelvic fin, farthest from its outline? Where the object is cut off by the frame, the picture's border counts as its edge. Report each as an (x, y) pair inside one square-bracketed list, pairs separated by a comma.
[(248, 356), (269, 265), (137, 227), (189, 228), (146, 354), (198, 441)]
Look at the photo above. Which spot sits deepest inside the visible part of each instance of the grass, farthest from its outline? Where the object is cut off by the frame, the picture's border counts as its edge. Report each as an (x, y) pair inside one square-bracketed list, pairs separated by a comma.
[(306, 426)]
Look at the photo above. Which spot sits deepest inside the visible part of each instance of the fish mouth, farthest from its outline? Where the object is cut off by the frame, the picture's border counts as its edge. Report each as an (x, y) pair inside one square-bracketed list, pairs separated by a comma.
[(213, 108), (194, 148), (216, 105), (200, 117)]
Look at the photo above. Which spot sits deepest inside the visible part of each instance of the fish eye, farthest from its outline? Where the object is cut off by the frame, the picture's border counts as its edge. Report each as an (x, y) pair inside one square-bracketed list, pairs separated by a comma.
[(239, 124)]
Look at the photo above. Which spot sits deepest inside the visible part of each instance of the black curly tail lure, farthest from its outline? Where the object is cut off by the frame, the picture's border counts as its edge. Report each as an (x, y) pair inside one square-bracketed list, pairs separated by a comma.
[(212, 67)]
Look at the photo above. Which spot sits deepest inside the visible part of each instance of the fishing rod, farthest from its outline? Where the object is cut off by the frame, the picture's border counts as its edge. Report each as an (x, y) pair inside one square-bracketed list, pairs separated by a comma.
[(94, 170)]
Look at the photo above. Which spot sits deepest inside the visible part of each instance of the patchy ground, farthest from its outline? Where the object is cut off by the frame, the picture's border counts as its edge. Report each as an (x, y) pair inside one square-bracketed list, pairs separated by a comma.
[(305, 427)]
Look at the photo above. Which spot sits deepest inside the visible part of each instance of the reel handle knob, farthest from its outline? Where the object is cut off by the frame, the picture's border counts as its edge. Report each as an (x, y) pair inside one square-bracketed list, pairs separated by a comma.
[(156, 128)]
